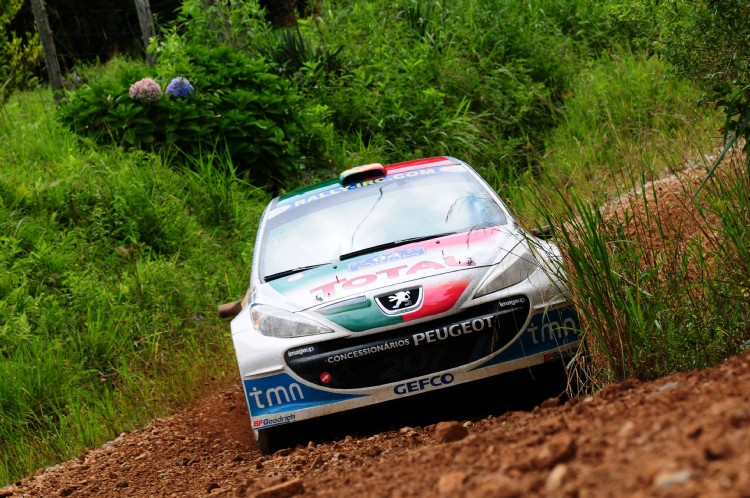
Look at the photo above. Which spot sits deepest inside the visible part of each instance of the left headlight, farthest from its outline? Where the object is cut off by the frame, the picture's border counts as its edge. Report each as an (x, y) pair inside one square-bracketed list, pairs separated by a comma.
[(516, 266), (275, 322)]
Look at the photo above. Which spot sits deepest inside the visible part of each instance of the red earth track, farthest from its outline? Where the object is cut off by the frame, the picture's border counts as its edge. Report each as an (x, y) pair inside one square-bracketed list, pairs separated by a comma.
[(683, 435)]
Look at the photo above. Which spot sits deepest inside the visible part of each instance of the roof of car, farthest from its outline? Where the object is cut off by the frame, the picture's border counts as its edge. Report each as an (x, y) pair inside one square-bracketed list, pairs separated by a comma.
[(324, 187)]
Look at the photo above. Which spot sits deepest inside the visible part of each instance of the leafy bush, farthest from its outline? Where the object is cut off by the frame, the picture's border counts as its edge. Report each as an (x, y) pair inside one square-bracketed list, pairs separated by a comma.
[(238, 105), (475, 79), (292, 52), (707, 42), (221, 22), (20, 55)]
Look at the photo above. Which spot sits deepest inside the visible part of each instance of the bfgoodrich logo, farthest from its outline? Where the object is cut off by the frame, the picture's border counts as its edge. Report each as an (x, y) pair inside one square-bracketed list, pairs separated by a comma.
[(265, 422), (400, 301)]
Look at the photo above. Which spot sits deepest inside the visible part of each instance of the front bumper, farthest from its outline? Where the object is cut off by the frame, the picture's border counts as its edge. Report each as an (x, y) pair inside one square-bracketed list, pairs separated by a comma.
[(313, 379)]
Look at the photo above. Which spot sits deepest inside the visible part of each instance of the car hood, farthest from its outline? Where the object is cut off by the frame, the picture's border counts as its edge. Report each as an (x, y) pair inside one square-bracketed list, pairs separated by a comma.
[(452, 260)]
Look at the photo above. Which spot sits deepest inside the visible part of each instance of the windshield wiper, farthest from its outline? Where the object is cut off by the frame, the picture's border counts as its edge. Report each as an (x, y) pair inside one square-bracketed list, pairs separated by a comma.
[(389, 245), (286, 273)]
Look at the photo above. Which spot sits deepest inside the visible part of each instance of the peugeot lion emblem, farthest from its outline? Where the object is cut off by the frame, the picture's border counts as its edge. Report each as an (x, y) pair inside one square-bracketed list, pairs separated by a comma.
[(399, 298), (400, 301)]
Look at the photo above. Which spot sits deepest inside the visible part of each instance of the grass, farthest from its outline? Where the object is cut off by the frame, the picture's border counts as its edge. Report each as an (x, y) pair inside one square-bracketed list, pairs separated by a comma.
[(111, 266), (659, 278)]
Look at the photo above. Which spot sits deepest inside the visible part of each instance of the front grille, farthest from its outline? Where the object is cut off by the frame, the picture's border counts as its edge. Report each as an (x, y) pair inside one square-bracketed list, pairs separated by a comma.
[(412, 351)]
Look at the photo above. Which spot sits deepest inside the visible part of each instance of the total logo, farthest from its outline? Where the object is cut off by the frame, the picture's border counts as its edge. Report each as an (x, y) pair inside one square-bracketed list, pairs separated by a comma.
[(421, 384), (329, 289)]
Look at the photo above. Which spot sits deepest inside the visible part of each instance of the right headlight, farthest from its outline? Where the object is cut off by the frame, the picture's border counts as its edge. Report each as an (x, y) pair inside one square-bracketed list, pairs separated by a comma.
[(515, 267), (275, 322)]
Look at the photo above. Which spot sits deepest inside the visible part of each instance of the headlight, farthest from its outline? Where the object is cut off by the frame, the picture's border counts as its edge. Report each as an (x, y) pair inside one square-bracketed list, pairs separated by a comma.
[(517, 266), (275, 322)]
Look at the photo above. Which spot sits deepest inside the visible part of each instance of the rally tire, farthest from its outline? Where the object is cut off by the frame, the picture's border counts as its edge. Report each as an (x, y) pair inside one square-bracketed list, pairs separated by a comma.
[(270, 440)]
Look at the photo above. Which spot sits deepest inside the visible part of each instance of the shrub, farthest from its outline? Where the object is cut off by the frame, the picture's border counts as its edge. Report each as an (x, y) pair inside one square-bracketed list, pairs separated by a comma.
[(20, 54), (237, 104), (707, 42)]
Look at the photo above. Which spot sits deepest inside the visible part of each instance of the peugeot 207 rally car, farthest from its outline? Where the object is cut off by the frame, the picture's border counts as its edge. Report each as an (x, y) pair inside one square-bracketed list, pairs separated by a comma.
[(387, 282)]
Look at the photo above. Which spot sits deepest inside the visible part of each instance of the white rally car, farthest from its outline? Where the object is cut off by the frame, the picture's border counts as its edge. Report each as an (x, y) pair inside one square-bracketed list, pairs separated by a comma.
[(387, 282)]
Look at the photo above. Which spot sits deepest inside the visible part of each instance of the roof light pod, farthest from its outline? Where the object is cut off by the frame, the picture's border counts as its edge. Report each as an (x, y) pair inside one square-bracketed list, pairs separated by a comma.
[(362, 173)]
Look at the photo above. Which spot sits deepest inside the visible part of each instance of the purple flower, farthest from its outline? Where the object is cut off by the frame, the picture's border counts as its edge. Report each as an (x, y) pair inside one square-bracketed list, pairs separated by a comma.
[(145, 90), (180, 87)]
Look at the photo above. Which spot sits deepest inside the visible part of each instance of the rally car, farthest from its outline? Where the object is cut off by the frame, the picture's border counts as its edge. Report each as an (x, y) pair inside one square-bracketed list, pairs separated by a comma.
[(387, 282)]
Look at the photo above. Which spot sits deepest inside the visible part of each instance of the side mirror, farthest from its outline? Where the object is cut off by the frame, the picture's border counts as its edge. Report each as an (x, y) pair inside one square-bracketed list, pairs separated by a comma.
[(230, 310)]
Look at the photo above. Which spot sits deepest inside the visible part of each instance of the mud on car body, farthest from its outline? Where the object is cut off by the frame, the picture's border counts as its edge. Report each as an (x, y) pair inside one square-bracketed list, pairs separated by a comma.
[(387, 282)]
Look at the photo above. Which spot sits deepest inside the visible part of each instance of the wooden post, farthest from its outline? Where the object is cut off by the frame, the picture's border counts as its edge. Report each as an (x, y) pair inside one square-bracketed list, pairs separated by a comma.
[(146, 20), (48, 46)]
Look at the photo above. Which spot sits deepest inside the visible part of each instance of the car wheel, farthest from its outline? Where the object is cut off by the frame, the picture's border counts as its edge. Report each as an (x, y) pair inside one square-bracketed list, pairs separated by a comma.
[(565, 378), (270, 440)]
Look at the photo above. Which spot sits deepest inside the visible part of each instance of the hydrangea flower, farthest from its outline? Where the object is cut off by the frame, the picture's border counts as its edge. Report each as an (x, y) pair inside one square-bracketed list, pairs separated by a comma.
[(145, 90), (180, 87)]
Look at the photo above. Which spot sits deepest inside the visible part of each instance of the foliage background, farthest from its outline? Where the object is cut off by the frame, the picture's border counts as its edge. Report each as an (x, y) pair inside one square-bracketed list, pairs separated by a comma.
[(124, 224)]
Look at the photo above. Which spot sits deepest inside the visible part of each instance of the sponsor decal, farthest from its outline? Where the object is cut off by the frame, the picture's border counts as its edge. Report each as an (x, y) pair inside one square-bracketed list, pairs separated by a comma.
[(552, 330), (454, 330), (282, 393), (555, 355), (300, 351), (305, 198), (266, 422), (277, 395), (552, 333), (368, 183), (424, 383), (325, 377), (414, 352), (486, 323), (375, 348), (386, 257), (329, 289), (511, 302)]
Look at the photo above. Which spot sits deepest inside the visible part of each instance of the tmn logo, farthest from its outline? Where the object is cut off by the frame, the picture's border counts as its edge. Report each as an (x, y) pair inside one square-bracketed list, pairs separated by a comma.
[(278, 395)]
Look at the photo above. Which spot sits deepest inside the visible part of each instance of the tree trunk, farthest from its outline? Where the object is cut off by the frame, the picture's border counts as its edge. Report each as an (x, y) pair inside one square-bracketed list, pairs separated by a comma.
[(146, 20), (48, 46)]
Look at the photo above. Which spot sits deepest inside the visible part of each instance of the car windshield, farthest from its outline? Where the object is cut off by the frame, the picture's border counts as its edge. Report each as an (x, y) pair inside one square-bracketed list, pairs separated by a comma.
[(372, 216)]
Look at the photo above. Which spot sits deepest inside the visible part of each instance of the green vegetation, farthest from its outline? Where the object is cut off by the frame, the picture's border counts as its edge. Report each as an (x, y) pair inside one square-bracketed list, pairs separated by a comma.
[(20, 53), (237, 106), (111, 266), (125, 221), (707, 42)]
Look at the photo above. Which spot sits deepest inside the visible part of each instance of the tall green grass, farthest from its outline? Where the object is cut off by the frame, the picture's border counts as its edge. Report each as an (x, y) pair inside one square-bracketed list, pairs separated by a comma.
[(658, 276), (661, 288), (111, 267)]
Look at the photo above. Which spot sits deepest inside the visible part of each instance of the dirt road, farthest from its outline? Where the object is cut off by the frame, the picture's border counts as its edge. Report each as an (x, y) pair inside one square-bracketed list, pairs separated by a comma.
[(684, 435)]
